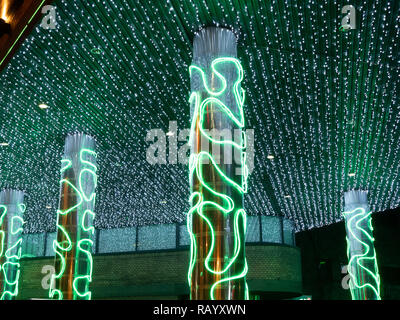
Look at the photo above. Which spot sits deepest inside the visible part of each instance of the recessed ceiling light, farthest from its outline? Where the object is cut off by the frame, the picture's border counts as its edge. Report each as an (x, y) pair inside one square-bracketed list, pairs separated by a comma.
[(163, 201), (4, 144), (352, 174), (270, 157), (48, 207), (287, 196), (43, 106), (170, 133)]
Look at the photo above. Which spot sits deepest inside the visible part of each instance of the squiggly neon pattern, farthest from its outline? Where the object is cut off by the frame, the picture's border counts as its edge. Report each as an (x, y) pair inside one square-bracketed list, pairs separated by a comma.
[(363, 267), (11, 267), (84, 206), (227, 205)]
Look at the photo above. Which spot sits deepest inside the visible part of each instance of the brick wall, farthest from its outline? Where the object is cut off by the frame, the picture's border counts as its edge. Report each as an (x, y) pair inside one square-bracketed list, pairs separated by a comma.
[(272, 268)]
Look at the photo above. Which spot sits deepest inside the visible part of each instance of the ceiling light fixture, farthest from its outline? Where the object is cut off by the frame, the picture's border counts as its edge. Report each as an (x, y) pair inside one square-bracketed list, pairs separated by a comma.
[(4, 144), (43, 106), (270, 157), (352, 174)]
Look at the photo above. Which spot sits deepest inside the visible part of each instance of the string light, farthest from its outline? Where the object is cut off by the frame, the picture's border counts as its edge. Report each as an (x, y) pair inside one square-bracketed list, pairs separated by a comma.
[(305, 82)]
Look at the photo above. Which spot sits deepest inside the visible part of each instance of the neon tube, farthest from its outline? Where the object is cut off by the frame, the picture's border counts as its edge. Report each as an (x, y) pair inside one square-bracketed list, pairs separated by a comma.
[(75, 230), (216, 221), (363, 267), (11, 227)]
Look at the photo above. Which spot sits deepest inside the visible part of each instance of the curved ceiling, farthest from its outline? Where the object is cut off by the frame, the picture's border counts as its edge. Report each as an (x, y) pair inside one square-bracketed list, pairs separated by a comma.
[(323, 102)]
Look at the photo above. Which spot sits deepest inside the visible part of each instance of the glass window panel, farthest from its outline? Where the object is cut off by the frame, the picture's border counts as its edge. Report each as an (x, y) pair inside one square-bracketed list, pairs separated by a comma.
[(94, 239), (33, 245), (117, 240), (253, 229), (288, 232), (184, 236), (49, 244), (157, 237), (271, 229)]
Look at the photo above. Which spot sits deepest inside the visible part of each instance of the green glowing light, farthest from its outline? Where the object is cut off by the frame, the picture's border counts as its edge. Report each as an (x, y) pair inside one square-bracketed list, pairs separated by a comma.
[(193, 248), (86, 230), (65, 212), (226, 204), (87, 277), (9, 253), (22, 207), (90, 228), (11, 267), (364, 261), (2, 233), (81, 174), (18, 218), (7, 293), (66, 164)]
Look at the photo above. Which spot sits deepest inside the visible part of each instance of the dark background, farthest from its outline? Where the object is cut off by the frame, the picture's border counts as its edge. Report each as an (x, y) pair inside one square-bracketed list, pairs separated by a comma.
[(323, 252)]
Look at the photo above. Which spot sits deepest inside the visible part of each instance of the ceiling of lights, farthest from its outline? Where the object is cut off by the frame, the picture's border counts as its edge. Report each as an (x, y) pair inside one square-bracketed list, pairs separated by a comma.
[(324, 103)]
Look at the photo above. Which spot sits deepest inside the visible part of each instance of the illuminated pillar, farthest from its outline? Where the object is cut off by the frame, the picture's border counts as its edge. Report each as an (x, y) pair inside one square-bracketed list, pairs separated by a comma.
[(362, 267), (75, 231), (12, 209), (217, 221)]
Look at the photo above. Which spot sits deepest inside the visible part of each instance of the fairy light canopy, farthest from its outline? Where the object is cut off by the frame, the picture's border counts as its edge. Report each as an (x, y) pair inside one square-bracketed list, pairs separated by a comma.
[(324, 105)]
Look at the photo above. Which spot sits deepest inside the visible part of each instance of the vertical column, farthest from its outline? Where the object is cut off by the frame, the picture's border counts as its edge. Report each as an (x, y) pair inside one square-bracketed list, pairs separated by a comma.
[(12, 209), (362, 267), (217, 221), (75, 231)]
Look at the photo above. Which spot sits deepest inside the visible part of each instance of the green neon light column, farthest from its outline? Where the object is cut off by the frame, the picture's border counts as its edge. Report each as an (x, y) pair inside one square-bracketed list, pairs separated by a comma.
[(12, 208), (218, 179), (75, 231), (362, 267)]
